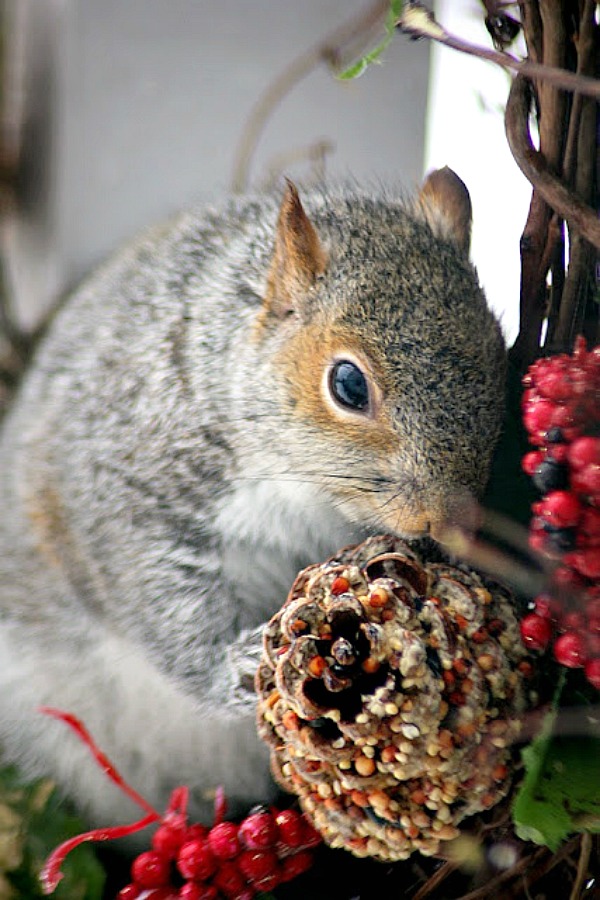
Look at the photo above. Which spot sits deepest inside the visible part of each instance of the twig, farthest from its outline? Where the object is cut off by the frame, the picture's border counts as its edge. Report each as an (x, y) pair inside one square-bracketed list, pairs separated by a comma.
[(344, 42), (418, 21), (488, 558), (533, 296), (571, 315), (582, 865), (552, 102), (573, 308), (435, 880), (543, 861), (315, 154), (536, 238), (535, 168), (493, 884), (555, 244), (531, 22), (541, 234)]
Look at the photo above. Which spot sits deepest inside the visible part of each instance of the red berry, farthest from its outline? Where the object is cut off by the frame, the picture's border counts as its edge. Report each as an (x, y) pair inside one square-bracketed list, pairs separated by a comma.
[(592, 672), (586, 562), (573, 621), (559, 453), (191, 891), (590, 522), (295, 865), (592, 606), (167, 839), (258, 831), (563, 419), (537, 417), (229, 880), (585, 451), (256, 865), (129, 892), (196, 860), (593, 626), (531, 461), (195, 832), (555, 382), (291, 827), (161, 893), (566, 579), (269, 882), (223, 840), (561, 508), (537, 540), (587, 481), (311, 837), (547, 607), (536, 632), (593, 645), (569, 650), (150, 870)]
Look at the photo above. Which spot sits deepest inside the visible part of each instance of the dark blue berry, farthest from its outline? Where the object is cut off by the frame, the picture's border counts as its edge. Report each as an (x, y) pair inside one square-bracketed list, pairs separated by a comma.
[(551, 475), (561, 539)]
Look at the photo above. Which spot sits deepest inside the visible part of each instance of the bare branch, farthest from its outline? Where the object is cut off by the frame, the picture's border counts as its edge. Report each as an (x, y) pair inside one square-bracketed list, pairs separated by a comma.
[(336, 50), (535, 168), (541, 860), (418, 21), (583, 863), (435, 880)]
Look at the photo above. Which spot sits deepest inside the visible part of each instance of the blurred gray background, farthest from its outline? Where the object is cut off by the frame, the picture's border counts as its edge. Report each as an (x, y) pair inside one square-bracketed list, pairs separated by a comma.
[(114, 113)]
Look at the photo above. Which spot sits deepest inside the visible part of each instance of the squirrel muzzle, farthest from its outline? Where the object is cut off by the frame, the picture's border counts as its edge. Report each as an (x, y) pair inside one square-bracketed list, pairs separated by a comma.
[(434, 516)]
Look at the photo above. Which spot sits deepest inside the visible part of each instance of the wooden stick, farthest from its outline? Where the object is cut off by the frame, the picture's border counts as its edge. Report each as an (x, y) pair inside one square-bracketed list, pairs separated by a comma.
[(418, 21)]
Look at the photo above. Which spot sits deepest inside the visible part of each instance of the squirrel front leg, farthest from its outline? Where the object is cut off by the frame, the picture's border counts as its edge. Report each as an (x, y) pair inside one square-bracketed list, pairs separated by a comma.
[(241, 662)]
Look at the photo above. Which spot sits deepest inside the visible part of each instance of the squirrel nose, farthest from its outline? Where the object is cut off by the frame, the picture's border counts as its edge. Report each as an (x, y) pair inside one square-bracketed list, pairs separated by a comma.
[(460, 510)]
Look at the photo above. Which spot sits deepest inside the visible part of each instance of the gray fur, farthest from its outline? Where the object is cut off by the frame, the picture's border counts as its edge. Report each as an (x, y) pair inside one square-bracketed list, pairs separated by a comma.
[(160, 493)]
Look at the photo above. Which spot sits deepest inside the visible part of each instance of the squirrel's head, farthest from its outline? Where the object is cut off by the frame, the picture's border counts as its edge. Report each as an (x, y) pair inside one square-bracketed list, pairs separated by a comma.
[(385, 354)]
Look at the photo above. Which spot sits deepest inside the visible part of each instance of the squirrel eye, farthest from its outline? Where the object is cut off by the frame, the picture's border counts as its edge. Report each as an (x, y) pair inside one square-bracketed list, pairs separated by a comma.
[(348, 386)]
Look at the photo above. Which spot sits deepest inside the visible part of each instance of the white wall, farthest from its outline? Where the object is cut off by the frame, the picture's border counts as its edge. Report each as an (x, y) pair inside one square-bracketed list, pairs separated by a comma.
[(138, 107), (465, 130)]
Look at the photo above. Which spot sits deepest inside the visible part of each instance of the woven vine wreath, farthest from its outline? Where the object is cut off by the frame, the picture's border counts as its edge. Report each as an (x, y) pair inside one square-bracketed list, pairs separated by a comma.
[(391, 689)]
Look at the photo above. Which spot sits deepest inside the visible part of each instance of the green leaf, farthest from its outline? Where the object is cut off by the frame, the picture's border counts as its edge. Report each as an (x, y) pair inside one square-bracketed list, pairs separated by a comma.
[(357, 68), (560, 794), (353, 71), (33, 821)]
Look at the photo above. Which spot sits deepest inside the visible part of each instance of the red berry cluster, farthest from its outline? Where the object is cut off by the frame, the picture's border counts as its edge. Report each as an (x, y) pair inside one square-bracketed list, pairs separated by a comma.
[(192, 862), (561, 413), (236, 862)]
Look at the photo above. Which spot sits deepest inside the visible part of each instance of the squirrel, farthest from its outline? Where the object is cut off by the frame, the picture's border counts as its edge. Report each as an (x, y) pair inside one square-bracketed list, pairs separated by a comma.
[(236, 395)]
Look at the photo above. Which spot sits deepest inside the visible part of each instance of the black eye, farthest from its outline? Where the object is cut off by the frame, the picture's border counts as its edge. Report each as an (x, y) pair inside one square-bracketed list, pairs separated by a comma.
[(349, 386)]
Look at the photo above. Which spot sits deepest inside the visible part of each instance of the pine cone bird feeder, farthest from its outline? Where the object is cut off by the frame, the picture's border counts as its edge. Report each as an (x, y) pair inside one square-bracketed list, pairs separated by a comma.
[(391, 689)]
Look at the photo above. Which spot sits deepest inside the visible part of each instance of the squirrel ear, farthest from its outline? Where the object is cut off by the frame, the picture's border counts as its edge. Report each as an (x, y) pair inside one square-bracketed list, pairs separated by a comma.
[(298, 257), (444, 203)]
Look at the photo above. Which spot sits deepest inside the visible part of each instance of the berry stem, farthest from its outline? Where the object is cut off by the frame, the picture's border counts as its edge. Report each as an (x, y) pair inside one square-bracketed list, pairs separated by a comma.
[(220, 805), (51, 874), (103, 761), (178, 801)]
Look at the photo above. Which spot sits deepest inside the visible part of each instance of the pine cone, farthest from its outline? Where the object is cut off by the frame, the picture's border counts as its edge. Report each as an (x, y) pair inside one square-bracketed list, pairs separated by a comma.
[(390, 693)]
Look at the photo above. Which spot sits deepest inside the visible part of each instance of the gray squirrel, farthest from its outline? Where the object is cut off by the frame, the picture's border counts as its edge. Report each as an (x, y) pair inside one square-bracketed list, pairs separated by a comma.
[(238, 394)]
